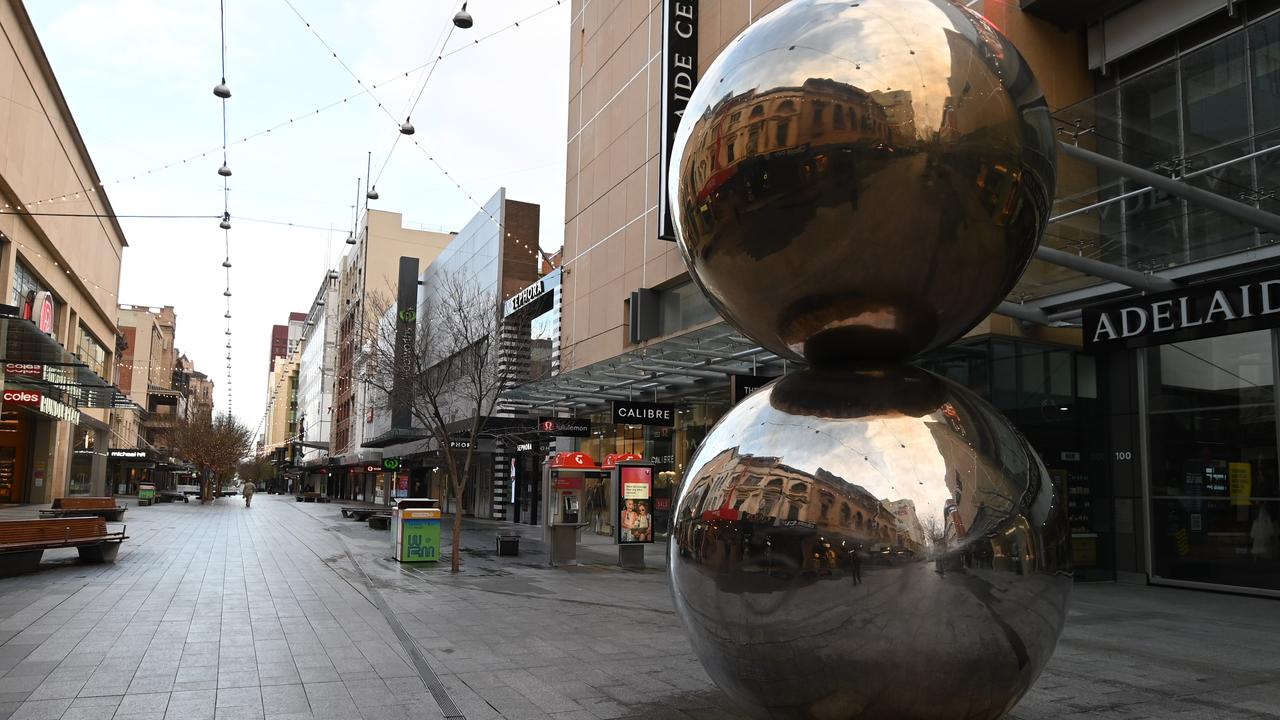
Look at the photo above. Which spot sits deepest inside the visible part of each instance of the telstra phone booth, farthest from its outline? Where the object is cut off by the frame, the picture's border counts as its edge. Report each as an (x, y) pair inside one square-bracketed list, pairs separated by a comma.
[(564, 480)]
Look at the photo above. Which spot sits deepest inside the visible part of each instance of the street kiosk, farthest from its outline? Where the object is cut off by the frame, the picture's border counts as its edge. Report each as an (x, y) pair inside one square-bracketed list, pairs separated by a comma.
[(632, 480), (415, 530), (564, 480)]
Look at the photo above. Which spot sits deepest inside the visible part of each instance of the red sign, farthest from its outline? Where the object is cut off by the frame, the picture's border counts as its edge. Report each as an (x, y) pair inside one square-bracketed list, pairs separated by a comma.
[(612, 459), (24, 370), (39, 308), (573, 460), (26, 398), (566, 482)]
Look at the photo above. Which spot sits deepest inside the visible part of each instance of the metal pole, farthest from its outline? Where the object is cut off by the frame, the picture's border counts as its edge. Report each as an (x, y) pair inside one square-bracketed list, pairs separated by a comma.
[(1249, 214), (1188, 176), (1105, 270)]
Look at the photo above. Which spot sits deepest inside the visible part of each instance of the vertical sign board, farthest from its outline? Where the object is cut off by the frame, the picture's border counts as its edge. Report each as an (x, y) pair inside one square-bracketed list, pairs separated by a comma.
[(679, 74), (635, 503), (406, 330), (420, 535)]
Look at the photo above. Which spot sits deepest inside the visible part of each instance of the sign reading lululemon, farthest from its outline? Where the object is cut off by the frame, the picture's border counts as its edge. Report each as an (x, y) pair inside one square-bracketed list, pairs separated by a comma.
[(1198, 311), (679, 73), (626, 412), (565, 427)]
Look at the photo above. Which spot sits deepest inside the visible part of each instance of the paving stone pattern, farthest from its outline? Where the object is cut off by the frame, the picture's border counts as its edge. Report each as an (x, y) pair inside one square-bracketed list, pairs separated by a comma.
[(223, 612)]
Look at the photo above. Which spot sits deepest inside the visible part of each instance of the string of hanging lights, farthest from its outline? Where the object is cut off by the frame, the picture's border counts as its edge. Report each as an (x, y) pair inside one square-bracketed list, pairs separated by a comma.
[(223, 93), (83, 195)]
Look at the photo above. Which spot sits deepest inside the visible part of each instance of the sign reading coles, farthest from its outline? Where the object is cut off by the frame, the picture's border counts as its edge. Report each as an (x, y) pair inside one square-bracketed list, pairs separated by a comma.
[(679, 73), (1197, 311), (626, 412)]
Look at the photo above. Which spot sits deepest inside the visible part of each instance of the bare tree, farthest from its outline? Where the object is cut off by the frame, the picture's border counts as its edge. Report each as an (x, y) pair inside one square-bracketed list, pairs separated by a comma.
[(438, 367), (215, 445)]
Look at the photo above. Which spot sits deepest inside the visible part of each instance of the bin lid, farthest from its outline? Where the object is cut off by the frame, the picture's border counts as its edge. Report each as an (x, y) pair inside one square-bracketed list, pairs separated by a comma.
[(417, 503)]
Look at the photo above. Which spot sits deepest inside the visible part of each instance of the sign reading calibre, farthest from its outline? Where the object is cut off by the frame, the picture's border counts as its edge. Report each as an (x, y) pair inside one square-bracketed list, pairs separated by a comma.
[(626, 412)]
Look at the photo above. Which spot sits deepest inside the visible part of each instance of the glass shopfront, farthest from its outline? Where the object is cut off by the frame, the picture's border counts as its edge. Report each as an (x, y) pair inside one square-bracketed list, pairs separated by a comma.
[(1211, 428), (669, 448)]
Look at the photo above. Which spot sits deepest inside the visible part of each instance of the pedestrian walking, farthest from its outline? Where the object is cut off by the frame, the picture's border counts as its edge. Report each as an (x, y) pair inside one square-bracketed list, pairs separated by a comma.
[(248, 489), (855, 567)]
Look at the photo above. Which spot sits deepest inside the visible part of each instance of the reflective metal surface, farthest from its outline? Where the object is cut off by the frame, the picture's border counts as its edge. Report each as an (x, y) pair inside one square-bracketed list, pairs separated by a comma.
[(862, 179), (870, 543)]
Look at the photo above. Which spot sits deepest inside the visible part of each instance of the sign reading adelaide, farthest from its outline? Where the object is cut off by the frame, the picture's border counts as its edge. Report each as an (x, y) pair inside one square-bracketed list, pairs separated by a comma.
[(1198, 311), (679, 73)]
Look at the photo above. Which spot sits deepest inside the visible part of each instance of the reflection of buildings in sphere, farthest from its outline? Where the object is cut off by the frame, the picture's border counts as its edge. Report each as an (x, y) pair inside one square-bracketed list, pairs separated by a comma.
[(934, 508), (887, 200)]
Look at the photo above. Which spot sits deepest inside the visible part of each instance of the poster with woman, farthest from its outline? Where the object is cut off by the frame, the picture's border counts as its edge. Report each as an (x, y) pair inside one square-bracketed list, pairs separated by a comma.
[(635, 503)]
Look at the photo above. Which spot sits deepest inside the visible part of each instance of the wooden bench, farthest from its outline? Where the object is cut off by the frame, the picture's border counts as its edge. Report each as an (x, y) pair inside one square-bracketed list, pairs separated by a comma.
[(311, 497), (85, 506), (23, 542), (360, 514), (380, 521)]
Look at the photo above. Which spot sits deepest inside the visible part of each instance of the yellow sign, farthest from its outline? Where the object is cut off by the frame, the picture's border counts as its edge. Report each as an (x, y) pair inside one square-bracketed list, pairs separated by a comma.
[(1240, 477), (420, 513)]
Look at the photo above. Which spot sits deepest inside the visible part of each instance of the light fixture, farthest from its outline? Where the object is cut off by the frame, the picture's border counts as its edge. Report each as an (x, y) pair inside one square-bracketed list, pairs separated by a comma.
[(463, 18), (228, 331), (372, 194), (228, 315), (224, 171), (319, 303), (351, 239), (226, 263), (406, 127), (221, 90), (226, 293), (226, 221)]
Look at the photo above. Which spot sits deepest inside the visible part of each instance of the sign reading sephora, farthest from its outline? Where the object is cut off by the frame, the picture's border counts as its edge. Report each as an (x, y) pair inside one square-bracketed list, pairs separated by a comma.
[(626, 412), (679, 73), (1199, 311)]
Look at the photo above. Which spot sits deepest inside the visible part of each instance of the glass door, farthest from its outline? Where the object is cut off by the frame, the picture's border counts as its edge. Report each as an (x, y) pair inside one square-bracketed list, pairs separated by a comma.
[(1215, 505)]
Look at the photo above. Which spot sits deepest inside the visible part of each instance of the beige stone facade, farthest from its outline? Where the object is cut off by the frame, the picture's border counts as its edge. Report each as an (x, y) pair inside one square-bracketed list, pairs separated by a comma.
[(45, 168), (611, 245)]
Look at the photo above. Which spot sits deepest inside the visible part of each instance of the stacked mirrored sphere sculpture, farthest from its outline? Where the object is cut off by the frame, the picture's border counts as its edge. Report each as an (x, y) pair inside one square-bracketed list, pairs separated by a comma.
[(854, 184)]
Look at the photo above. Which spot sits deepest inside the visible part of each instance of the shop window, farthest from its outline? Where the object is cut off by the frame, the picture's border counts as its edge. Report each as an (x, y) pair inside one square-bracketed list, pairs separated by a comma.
[(783, 131), (1214, 490), (92, 353), (24, 284)]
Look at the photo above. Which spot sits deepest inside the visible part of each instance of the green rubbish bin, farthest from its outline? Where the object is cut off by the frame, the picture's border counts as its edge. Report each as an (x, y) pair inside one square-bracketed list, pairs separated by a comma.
[(415, 531)]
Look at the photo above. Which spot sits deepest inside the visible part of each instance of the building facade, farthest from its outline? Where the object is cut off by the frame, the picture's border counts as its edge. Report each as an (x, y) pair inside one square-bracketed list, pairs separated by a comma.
[(1148, 395), (58, 282), (317, 366), (286, 338)]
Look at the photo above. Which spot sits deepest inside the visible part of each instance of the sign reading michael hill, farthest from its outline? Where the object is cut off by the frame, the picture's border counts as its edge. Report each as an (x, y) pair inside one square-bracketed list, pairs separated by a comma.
[(1197, 311), (679, 73)]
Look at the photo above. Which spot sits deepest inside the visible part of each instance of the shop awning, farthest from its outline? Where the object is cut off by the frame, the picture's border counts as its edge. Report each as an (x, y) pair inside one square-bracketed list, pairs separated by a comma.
[(697, 361), (33, 359)]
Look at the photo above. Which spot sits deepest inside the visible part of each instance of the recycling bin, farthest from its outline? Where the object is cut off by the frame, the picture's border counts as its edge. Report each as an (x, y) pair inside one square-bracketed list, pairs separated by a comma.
[(415, 530), (146, 493)]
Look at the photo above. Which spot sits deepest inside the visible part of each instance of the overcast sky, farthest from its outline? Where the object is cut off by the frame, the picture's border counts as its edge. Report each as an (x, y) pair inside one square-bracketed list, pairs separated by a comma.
[(139, 74)]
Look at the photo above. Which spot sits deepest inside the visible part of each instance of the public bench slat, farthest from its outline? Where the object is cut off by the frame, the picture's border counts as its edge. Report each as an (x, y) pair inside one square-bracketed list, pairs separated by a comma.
[(23, 542)]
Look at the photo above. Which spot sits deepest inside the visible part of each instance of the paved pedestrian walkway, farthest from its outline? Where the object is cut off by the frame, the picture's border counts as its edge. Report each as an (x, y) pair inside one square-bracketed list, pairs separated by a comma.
[(286, 610)]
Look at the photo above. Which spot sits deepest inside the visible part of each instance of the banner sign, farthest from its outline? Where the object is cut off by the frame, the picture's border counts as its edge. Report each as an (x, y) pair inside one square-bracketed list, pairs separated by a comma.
[(406, 342), (741, 386), (1197, 311), (626, 412), (565, 427), (679, 74), (635, 503)]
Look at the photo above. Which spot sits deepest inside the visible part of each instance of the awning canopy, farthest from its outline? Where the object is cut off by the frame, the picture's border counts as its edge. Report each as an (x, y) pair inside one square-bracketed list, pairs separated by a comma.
[(36, 360), (697, 361)]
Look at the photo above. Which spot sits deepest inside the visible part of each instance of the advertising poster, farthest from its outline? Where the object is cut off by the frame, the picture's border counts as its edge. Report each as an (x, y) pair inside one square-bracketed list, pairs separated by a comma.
[(402, 486), (1240, 478), (635, 503)]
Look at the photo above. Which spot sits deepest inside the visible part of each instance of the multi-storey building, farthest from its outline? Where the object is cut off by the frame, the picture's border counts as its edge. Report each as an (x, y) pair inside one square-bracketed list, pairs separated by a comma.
[(286, 338), (367, 271), (317, 367), (1137, 354), (58, 280)]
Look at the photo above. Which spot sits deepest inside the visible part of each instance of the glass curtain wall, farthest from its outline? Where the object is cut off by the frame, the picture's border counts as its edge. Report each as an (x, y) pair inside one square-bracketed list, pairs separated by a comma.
[(1050, 395), (1206, 96), (1215, 504)]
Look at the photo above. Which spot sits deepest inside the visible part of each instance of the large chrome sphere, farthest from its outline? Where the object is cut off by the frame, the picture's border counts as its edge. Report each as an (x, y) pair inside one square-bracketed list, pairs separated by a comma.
[(862, 180), (876, 543)]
